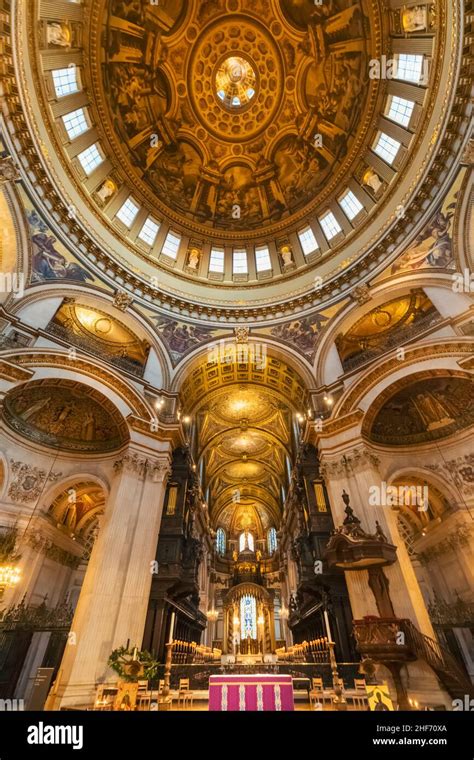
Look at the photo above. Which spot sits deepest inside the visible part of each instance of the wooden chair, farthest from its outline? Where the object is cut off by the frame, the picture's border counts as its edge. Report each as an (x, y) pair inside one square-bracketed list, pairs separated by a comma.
[(317, 692), (143, 696), (184, 693), (358, 697), (360, 701)]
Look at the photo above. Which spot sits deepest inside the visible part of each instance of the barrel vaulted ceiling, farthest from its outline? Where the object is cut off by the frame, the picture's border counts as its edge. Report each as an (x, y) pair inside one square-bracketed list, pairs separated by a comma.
[(243, 419)]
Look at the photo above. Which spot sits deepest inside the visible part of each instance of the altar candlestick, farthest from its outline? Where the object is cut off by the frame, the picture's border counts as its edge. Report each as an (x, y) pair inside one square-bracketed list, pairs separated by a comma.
[(328, 629), (173, 615), (135, 653)]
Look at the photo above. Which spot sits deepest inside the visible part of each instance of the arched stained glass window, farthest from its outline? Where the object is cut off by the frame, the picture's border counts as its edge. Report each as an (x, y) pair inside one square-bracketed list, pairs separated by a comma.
[(246, 541), (248, 617), (272, 540), (220, 541)]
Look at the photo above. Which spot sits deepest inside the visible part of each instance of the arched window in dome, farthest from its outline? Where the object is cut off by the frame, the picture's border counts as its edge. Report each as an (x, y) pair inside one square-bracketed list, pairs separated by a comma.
[(246, 541), (272, 540), (220, 541)]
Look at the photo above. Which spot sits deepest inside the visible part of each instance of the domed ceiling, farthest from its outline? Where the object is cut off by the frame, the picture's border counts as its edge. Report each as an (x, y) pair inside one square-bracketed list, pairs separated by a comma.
[(219, 116), (251, 155)]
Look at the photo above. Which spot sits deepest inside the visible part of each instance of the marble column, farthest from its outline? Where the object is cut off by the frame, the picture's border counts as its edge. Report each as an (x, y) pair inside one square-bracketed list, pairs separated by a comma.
[(114, 598)]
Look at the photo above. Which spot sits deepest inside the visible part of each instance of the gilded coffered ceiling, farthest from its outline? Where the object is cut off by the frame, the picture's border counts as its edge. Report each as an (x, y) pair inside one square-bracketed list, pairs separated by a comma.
[(264, 370)]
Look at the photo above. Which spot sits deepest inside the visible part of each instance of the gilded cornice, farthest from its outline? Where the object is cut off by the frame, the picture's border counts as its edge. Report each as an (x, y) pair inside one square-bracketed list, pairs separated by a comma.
[(158, 429), (12, 372)]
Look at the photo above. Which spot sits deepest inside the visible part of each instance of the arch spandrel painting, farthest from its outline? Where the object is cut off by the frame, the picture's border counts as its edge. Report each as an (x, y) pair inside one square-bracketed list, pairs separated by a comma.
[(66, 415)]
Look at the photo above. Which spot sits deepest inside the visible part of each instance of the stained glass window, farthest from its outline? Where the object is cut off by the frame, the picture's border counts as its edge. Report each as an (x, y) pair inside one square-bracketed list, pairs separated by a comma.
[(248, 617), (220, 541), (272, 540)]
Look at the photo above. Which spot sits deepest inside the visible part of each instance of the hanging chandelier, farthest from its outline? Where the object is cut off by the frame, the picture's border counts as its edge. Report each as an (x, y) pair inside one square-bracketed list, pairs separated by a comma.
[(9, 576)]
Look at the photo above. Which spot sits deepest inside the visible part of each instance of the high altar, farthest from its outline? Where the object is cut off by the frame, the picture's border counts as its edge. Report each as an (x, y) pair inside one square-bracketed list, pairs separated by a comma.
[(251, 693)]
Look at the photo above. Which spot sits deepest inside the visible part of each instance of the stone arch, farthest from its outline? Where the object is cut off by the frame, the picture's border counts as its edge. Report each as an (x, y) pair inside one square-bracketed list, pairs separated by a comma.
[(48, 363), (430, 357), (65, 483), (326, 371), (35, 304), (274, 349), (446, 491)]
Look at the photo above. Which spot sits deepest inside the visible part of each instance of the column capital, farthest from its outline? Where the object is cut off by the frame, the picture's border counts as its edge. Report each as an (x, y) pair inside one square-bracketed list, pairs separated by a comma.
[(156, 469), (351, 461)]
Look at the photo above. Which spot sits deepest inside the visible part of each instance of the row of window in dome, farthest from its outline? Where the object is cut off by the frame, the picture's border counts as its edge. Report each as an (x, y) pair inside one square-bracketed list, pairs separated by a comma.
[(399, 110)]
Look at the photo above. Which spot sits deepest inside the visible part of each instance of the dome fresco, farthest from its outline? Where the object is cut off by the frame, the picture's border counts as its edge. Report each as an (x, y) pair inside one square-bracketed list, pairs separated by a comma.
[(236, 146)]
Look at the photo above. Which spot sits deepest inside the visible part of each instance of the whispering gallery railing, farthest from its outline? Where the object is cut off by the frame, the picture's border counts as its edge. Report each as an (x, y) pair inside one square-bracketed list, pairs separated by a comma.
[(396, 339)]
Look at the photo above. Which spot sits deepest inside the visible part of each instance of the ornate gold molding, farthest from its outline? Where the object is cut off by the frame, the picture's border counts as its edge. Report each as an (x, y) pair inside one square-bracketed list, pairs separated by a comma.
[(87, 368)]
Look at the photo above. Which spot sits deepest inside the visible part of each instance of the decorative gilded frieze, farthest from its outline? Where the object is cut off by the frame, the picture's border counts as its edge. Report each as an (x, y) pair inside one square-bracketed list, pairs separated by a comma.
[(412, 356), (86, 366)]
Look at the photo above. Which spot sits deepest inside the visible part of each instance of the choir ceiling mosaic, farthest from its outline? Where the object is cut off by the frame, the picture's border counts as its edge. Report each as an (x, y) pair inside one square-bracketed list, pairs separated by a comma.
[(64, 414)]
